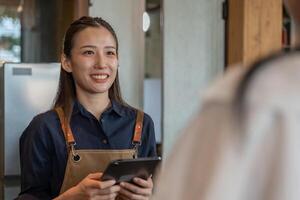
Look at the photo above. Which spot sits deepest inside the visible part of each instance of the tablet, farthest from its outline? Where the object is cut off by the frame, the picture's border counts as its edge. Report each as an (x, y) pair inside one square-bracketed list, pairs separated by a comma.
[(126, 169)]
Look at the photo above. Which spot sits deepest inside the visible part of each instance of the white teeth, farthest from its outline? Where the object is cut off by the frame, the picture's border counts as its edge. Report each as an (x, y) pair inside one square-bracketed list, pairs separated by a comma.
[(104, 76)]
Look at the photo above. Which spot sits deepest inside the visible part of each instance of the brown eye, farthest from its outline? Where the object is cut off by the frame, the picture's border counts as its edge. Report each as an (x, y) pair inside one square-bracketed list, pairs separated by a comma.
[(88, 52), (111, 53)]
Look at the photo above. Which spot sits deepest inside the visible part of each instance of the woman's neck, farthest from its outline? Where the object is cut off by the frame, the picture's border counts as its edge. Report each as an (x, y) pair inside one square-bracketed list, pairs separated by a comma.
[(95, 104)]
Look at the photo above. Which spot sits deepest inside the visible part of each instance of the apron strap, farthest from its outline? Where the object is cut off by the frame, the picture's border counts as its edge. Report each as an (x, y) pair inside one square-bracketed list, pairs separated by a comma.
[(70, 138), (65, 127), (138, 131)]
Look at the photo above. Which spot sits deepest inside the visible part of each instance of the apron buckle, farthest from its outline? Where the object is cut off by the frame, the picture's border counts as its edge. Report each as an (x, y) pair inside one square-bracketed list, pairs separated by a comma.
[(76, 157), (136, 148)]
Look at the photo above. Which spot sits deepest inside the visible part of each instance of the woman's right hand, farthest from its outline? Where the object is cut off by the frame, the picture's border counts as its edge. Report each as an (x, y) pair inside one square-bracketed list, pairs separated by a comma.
[(91, 188)]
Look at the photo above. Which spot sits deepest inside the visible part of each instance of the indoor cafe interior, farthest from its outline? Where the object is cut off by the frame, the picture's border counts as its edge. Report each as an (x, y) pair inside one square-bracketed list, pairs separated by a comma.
[(169, 53)]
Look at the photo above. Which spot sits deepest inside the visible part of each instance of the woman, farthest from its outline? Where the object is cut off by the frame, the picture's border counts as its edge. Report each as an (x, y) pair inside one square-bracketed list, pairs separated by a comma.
[(88, 126), (244, 144)]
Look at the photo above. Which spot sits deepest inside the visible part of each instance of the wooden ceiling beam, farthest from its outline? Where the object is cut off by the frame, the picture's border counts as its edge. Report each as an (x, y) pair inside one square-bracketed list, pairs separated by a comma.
[(9, 3)]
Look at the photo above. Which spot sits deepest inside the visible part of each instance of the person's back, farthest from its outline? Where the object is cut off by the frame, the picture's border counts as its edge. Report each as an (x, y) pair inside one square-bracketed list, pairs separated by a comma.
[(244, 143)]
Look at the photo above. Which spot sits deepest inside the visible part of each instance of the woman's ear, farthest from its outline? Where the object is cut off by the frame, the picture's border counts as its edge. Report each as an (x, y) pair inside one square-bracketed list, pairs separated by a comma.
[(65, 62)]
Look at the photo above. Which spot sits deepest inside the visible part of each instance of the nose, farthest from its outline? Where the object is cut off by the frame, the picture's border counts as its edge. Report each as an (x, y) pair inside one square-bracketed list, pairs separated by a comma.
[(100, 60)]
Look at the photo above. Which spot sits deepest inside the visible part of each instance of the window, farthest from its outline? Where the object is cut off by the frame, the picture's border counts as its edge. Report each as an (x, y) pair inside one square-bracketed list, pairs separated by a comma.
[(10, 34)]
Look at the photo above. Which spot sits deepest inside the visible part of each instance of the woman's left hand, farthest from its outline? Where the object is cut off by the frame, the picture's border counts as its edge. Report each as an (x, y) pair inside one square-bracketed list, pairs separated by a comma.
[(140, 190)]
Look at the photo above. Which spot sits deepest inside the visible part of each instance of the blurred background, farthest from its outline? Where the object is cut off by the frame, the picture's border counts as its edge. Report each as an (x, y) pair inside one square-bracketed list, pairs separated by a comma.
[(170, 51)]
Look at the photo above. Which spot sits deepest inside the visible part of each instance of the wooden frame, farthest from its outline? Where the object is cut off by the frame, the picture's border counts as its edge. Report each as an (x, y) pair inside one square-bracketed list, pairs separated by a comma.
[(254, 30), (81, 8)]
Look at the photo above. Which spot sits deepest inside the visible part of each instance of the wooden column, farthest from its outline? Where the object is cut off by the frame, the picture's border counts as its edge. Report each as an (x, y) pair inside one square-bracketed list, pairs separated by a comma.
[(68, 11), (81, 8), (254, 30), (65, 16)]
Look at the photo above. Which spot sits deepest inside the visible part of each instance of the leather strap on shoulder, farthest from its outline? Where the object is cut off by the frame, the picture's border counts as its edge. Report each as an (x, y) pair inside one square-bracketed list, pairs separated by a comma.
[(65, 126), (138, 127)]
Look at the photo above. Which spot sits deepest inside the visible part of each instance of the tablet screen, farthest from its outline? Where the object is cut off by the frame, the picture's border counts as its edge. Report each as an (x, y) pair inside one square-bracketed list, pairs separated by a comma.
[(126, 169)]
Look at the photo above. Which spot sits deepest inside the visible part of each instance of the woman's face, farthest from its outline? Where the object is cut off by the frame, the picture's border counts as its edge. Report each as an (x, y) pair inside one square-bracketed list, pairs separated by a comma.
[(93, 62)]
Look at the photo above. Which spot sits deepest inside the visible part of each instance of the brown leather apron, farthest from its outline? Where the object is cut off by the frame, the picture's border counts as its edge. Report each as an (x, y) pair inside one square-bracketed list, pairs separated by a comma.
[(83, 162)]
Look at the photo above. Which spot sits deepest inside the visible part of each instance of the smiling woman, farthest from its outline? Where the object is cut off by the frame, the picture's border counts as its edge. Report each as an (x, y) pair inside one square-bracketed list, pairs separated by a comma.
[(93, 63), (64, 150)]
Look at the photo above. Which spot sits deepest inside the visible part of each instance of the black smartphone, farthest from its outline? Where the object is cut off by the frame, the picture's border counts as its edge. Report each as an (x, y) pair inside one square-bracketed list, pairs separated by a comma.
[(126, 169)]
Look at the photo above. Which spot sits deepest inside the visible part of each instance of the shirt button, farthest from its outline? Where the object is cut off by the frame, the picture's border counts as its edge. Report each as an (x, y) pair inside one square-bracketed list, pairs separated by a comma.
[(104, 141)]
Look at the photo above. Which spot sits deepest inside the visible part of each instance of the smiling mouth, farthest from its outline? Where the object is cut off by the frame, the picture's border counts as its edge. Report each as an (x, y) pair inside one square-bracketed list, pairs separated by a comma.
[(100, 76)]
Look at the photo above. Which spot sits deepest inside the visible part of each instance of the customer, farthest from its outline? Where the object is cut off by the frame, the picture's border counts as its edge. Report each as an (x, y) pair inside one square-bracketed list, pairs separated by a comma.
[(245, 142), (64, 150)]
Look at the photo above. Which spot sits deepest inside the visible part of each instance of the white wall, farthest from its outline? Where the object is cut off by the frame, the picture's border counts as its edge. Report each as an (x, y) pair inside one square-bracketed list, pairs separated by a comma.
[(193, 51), (125, 16), (193, 54)]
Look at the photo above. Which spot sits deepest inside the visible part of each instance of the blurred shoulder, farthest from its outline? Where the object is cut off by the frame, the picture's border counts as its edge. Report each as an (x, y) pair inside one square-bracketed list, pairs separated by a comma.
[(224, 87)]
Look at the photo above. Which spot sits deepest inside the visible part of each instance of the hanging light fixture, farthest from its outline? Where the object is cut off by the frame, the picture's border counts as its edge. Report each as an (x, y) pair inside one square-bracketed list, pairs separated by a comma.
[(20, 6), (146, 21)]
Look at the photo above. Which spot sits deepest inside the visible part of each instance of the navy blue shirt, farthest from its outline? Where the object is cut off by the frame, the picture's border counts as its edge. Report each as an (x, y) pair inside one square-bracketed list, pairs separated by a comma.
[(43, 148)]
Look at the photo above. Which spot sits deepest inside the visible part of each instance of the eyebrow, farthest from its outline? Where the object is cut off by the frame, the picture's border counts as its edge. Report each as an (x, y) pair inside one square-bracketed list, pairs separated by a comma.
[(94, 47)]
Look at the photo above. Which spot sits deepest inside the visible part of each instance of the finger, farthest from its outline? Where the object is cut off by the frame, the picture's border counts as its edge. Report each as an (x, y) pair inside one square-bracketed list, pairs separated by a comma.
[(99, 184), (143, 183), (95, 176), (105, 197), (101, 194), (106, 184), (109, 190), (136, 189), (132, 196)]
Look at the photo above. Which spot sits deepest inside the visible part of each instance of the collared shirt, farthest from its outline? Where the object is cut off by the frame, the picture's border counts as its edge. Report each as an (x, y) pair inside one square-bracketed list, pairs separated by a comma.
[(43, 148)]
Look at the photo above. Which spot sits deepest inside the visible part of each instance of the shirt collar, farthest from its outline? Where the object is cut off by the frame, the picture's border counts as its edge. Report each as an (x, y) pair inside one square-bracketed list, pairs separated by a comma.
[(115, 106), (78, 108)]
